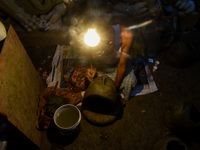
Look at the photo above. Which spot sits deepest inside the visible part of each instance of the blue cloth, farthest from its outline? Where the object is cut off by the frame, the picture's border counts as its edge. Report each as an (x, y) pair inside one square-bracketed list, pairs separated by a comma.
[(117, 36)]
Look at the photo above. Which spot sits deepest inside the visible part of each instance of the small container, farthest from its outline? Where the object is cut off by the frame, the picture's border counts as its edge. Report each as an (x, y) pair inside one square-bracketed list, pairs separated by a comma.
[(157, 63), (67, 119), (2, 31), (155, 68)]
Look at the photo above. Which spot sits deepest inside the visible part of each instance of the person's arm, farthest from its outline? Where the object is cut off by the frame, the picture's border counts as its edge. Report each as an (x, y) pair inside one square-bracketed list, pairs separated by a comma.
[(126, 38)]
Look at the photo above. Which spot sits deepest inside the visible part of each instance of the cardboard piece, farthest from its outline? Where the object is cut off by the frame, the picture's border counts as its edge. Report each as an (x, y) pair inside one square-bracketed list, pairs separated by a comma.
[(20, 86)]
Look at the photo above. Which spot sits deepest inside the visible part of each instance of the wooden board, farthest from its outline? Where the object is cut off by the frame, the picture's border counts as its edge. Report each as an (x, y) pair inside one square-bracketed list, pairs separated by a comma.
[(20, 86)]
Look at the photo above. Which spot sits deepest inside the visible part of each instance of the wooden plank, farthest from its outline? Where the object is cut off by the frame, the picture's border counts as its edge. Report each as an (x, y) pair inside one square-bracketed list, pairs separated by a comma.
[(20, 86)]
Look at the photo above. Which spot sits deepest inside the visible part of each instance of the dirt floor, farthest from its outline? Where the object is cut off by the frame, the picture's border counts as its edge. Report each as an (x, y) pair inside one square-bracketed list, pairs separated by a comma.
[(142, 124)]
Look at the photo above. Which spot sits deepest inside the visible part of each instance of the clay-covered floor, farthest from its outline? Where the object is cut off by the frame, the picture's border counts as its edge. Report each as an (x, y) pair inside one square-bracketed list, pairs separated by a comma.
[(142, 124)]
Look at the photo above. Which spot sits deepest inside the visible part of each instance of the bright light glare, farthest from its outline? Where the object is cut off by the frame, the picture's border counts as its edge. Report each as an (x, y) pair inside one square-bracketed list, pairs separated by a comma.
[(91, 38)]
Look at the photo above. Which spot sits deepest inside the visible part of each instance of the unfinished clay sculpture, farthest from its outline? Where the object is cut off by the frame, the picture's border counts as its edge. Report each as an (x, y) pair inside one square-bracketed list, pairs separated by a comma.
[(37, 14)]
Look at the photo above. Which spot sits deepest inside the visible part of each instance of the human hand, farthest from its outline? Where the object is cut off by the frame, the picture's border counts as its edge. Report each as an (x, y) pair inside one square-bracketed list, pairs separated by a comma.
[(90, 74), (188, 6), (137, 9), (122, 100)]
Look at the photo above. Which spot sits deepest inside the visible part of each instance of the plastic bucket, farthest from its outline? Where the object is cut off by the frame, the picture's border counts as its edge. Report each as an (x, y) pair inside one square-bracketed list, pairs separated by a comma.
[(67, 119)]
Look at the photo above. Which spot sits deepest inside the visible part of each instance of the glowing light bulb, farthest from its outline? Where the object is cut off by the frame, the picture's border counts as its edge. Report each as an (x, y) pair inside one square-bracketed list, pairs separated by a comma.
[(91, 38)]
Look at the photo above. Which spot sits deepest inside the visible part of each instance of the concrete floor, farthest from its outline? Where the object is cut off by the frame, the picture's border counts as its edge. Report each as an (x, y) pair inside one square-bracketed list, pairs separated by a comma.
[(142, 124)]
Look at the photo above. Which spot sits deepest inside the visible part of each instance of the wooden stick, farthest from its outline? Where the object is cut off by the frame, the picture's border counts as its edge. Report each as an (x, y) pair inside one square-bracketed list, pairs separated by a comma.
[(139, 25)]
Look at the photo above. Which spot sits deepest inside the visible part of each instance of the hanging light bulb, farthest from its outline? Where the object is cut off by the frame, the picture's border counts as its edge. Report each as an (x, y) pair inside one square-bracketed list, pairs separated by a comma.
[(91, 38)]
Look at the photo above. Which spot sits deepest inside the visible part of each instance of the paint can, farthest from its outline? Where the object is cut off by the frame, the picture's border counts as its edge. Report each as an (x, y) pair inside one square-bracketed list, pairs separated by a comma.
[(67, 119)]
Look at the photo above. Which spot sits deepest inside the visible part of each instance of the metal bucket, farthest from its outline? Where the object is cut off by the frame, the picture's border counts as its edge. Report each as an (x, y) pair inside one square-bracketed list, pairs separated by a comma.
[(67, 119)]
